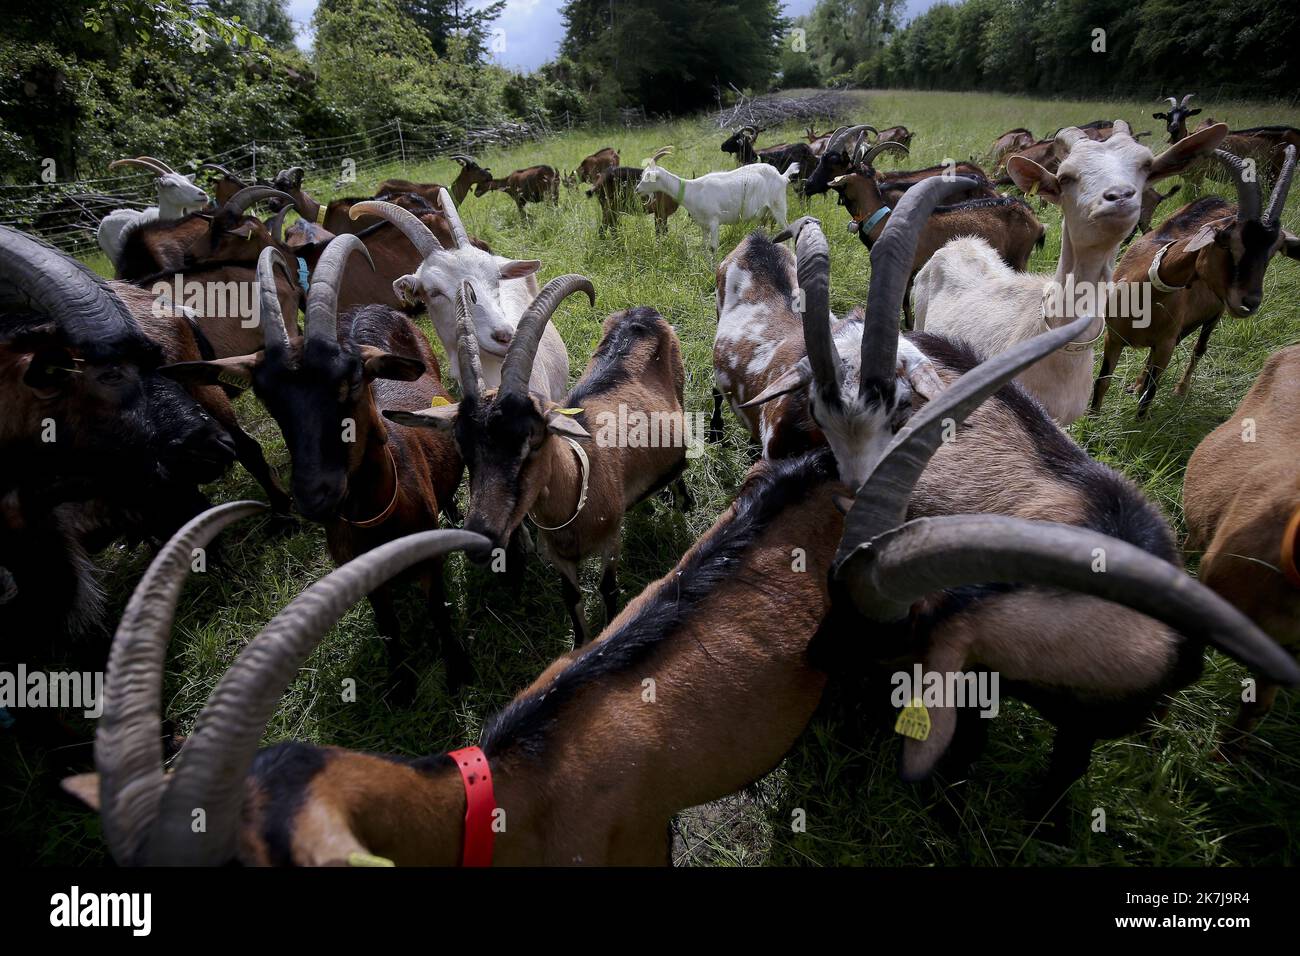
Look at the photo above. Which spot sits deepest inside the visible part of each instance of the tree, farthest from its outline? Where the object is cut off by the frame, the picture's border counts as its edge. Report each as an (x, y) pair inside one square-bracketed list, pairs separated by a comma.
[(441, 19), (267, 18)]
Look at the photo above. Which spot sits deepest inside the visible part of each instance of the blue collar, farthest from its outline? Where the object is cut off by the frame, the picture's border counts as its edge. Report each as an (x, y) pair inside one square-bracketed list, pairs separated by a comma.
[(874, 221)]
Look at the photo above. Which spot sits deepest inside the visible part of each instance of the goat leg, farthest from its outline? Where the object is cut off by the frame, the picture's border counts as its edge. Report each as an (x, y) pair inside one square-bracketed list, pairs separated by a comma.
[(1071, 756), (573, 598), (715, 423), (609, 585), (1235, 737), (250, 455), (1109, 359), (1157, 362), (1202, 342)]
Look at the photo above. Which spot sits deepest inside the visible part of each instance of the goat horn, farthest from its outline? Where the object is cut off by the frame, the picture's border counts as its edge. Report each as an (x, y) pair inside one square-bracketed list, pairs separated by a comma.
[(462, 159), (930, 554), (157, 162), (276, 225), (517, 367), (144, 162), (839, 137), (250, 195), (1185, 99), (814, 269), (891, 264), (1172, 101), (322, 321), (1247, 190), (409, 224), (128, 750), (275, 337), (879, 148), (36, 277), (1273, 215), (881, 502), (660, 153), (213, 767), (453, 218), (221, 169), (467, 358)]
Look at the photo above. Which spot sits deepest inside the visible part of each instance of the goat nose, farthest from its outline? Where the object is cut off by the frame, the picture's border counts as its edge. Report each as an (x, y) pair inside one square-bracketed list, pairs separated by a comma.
[(503, 336), (1251, 302), (1120, 193)]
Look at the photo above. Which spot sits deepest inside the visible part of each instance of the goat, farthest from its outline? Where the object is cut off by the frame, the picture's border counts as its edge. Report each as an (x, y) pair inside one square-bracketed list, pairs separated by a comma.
[(967, 292), (390, 189), (717, 198), (1265, 144), (177, 197), (895, 134), (295, 803), (615, 190), (1007, 467), (837, 158), (1005, 223), (335, 216), (817, 141), (1012, 141), (501, 290), (470, 177), (1208, 256), (529, 457), (1241, 501), (532, 184), (589, 169), (365, 483), (1151, 199), (782, 156), (1177, 116), (226, 184)]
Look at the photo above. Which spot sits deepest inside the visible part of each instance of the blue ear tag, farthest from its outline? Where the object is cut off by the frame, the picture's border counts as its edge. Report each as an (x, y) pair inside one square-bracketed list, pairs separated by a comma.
[(302, 273)]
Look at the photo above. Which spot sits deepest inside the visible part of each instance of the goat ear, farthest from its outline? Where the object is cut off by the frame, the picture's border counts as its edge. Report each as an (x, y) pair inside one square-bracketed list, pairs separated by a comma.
[(407, 290), (920, 374), (1160, 116), (48, 370), (796, 377), (1290, 245), (397, 368), (83, 786), (1194, 112), (1203, 237), (1191, 147), (441, 417), (519, 268), (562, 424), (1032, 178), (235, 371)]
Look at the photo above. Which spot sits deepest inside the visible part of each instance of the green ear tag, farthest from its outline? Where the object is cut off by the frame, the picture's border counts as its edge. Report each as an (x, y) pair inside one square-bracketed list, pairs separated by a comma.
[(365, 859), (913, 721), (438, 401)]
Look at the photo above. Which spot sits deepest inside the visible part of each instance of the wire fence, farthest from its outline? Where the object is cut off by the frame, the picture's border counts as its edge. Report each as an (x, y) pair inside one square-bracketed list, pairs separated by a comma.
[(67, 214)]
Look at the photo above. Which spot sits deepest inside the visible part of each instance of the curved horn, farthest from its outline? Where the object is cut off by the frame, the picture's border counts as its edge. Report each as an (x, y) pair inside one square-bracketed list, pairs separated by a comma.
[(1273, 215), (275, 225), (814, 266), (841, 136), (449, 209), (870, 156), (214, 764), (36, 277), (517, 367), (157, 162), (881, 502), (1172, 101), (275, 337), (463, 159), (891, 264), (144, 162), (409, 224), (929, 554), (660, 153), (221, 169), (249, 195), (128, 749), (1247, 190), (321, 323), (467, 358), (1183, 104)]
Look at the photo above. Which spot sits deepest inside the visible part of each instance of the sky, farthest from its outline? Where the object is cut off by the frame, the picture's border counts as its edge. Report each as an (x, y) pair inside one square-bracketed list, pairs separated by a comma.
[(532, 29)]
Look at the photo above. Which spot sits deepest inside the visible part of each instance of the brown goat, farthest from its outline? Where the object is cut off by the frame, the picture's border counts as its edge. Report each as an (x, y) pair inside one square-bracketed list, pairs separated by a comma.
[(1005, 223), (532, 184), (1012, 141), (895, 134), (366, 483), (595, 164), (470, 177), (390, 189), (615, 190), (1208, 256), (575, 468), (1241, 499)]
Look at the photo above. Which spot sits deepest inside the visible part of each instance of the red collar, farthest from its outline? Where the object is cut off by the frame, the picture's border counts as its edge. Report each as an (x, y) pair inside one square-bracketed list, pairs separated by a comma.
[(480, 803)]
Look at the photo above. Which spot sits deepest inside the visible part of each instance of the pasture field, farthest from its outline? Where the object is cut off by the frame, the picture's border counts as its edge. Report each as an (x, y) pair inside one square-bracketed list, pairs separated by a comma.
[(1166, 802)]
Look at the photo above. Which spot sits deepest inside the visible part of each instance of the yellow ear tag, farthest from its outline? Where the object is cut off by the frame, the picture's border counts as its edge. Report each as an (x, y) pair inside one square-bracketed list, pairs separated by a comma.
[(1033, 190), (438, 401), (320, 215), (231, 379), (913, 721), (567, 411), (365, 859)]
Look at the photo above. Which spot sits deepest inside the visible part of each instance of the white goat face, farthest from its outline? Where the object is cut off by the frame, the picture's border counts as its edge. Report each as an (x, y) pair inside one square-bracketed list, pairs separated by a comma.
[(180, 190), (439, 279), (646, 184), (1100, 184)]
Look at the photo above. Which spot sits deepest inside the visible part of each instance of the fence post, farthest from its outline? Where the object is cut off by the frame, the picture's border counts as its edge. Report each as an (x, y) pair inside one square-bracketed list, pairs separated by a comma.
[(401, 144), (253, 147)]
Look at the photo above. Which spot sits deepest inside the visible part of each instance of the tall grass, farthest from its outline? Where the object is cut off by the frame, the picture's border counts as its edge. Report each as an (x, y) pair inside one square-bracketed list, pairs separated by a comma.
[(1165, 801)]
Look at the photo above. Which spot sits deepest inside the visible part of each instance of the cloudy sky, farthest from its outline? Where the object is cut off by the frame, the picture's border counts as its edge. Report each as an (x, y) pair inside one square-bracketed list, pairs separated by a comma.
[(533, 28)]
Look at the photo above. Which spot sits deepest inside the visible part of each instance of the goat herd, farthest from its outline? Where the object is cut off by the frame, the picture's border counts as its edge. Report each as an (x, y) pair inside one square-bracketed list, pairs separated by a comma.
[(916, 501)]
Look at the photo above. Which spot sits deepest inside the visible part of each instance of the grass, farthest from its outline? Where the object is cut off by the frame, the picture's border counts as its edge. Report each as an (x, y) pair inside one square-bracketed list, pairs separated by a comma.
[(1165, 801)]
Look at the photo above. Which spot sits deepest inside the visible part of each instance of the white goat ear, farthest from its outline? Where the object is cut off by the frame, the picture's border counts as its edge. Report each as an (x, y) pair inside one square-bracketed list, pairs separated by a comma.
[(441, 417), (519, 268), (407, 290), (1032, 178), (796, 377), (562, 424)]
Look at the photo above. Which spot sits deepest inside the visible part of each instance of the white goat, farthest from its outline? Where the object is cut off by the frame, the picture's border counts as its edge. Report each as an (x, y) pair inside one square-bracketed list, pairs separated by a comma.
[(501, 290), (177, 197), (721, 198), (967, 292)]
